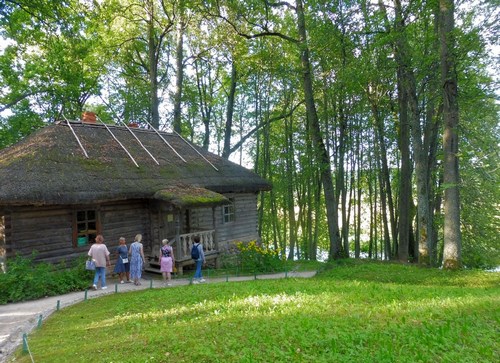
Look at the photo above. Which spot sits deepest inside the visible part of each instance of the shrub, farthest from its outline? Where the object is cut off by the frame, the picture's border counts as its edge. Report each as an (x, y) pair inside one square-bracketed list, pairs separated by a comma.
[(255, 258), (27, 280)]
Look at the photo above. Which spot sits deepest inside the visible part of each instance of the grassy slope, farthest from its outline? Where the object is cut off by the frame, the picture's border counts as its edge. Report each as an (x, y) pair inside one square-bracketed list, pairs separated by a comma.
[(354, 312)]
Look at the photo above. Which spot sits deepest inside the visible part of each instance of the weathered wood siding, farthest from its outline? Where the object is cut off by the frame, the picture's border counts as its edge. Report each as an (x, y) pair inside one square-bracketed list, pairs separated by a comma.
[(46, 230), (3, 247), (126, 219), (243, 228), (49, 230)]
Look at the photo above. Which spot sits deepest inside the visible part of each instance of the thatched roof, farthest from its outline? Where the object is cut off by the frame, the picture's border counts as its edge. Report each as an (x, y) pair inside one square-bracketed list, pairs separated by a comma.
[(49, 167)]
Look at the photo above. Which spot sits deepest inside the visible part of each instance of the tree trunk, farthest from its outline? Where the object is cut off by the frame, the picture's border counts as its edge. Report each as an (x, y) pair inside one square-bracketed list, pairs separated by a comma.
[(405, 175), (230, 112), (404, 221), (290, 205), (383, 202), (153, 68), (357, 239), (315, 131), (385, 184), (340, 180), (452, 234), (420, 155), (179, 54), (372, 212), (205, 90)]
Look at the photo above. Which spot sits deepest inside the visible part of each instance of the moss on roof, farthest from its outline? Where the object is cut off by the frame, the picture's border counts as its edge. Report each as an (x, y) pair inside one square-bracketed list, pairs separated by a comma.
[(190, 196), (49, 167)]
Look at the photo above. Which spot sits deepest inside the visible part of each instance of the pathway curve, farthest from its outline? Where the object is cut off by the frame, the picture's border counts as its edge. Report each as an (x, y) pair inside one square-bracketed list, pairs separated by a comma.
[(21, 318)]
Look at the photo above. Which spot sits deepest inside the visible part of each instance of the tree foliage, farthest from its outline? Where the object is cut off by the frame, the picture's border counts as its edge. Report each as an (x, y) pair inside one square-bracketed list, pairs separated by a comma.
[(338, 103)]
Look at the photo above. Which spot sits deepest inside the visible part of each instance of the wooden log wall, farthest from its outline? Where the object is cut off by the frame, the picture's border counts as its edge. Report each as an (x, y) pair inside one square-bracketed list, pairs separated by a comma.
[(48, 230), (244, 228), (125, 219), (3, 247)]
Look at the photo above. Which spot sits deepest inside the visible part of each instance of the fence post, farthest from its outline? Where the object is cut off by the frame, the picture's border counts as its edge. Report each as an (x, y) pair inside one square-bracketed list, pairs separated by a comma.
[(58, 305), (40, 321), (25, 343)]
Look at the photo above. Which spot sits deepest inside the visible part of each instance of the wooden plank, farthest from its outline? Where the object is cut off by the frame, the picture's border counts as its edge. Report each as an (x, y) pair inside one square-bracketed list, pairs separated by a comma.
[(37, 212)]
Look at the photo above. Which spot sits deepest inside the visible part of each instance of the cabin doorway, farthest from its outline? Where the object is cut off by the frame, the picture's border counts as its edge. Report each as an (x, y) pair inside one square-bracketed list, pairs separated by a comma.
[(168, 228)]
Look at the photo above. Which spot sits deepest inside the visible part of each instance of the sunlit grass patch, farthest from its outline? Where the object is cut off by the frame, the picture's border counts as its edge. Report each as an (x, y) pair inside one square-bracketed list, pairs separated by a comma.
[(373, 313)]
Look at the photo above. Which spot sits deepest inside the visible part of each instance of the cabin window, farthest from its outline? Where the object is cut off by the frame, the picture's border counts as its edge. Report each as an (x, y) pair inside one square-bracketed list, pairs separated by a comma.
[(86, 227), (228, 212)]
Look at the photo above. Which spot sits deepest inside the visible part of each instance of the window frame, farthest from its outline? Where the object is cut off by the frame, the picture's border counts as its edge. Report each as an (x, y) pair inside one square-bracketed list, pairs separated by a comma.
[(229, 212), (85, 226)]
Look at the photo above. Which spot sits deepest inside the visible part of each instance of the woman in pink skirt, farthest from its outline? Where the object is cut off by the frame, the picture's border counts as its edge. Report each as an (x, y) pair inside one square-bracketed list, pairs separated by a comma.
[(167, 261)]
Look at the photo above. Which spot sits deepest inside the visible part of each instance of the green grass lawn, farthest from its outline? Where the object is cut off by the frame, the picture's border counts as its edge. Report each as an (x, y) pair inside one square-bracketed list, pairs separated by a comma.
[(351, 312)]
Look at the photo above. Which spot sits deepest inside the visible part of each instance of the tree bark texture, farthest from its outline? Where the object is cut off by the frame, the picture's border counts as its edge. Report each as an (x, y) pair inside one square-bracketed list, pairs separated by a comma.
[(179, 54), (230, 111), (452, 232), (315, 131), (408, 85), (153, 68)]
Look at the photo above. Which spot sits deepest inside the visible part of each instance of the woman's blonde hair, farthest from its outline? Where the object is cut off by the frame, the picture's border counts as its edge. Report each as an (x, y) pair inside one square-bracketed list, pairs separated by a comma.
[(138, 237), (164, 241)]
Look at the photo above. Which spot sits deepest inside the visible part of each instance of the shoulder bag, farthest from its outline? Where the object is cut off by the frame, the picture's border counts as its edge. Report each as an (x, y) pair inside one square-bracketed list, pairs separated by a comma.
[(90, 265)]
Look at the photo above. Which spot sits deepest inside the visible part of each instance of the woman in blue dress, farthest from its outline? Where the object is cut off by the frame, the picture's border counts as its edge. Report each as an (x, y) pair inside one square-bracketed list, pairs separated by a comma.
[(136, 253), (122, 267)]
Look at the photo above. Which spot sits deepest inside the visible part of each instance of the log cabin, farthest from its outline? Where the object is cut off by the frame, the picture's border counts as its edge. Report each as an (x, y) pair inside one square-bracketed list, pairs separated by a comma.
[(71, 180)]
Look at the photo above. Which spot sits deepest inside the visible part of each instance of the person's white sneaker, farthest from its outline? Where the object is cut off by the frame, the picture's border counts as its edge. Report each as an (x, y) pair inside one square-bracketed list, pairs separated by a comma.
[(104, 287), (94, 287), (202, 280), (196, 282)]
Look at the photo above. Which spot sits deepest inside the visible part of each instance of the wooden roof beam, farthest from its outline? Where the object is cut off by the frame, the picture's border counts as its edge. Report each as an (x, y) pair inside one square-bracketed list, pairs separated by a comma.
[(76, 137)]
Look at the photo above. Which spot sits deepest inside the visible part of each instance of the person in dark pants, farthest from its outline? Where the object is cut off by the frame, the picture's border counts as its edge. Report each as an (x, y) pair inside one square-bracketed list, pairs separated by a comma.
[(200, 261)]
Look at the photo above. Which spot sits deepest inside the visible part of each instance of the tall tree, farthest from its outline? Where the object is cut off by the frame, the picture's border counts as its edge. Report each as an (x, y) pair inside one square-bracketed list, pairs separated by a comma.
[(50, 66), (315, 131), (179, 70), (452, 233), (366, 107), (231, 99), (140, 47)]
